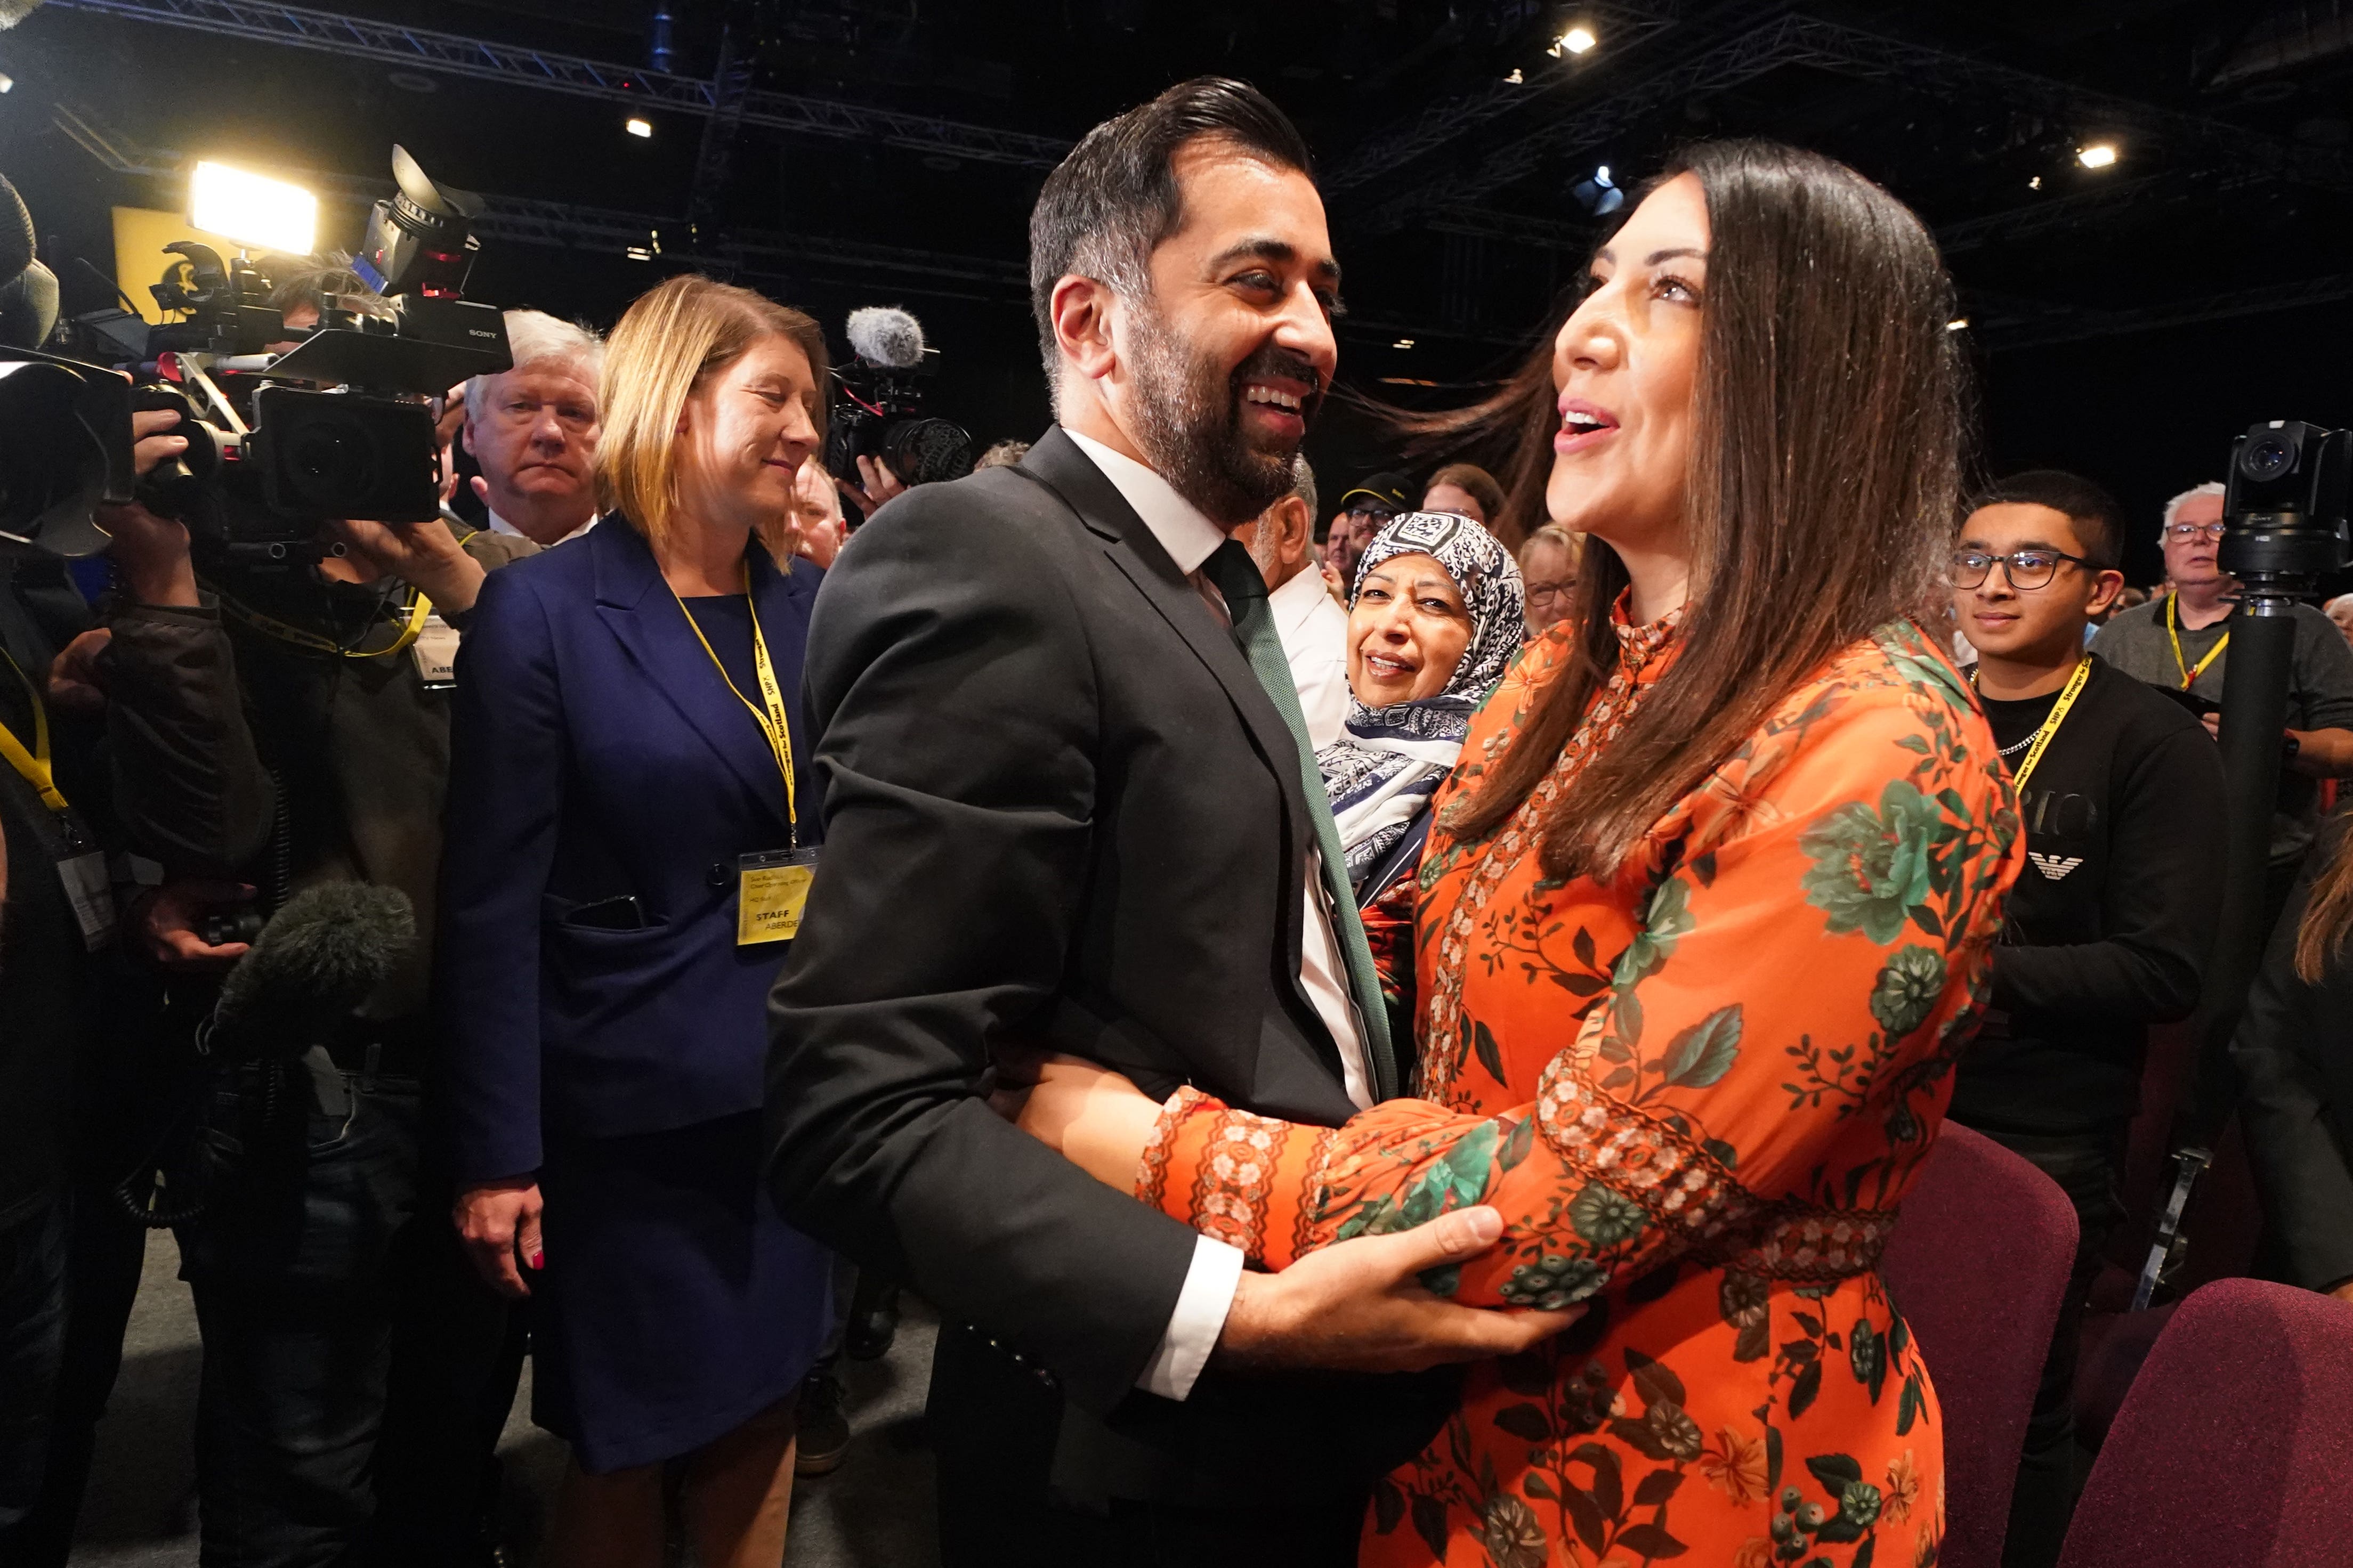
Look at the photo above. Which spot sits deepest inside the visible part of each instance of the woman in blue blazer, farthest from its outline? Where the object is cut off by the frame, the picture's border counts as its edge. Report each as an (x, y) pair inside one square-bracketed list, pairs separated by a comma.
[(630, 833)]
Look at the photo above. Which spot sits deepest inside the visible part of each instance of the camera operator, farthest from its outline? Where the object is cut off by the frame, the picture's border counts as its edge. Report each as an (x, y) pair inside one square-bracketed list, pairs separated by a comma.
[(280, 731), (532, 428)]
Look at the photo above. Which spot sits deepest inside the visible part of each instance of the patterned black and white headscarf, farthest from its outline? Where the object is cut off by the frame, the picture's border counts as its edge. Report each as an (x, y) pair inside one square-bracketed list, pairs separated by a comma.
[(1381, 772)]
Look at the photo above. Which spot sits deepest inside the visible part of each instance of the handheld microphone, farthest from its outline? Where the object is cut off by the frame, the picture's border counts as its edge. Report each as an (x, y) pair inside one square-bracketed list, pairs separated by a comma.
[(320, 957)]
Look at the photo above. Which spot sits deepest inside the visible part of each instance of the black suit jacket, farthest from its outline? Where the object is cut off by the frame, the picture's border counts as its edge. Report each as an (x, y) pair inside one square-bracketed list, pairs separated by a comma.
[(2294, 1050), (1059, 806)]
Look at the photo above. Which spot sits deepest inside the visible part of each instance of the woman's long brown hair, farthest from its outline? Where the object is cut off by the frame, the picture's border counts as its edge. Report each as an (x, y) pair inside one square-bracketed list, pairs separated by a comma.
[(2328, 912), (1824, 485)]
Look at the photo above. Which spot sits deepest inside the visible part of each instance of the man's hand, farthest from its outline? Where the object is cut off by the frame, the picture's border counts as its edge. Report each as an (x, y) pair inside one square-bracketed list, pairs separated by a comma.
[(151, 552), (498, 1222), (1359, 1306), (166, 918), (881, 485), (424, 555), (74, 683)]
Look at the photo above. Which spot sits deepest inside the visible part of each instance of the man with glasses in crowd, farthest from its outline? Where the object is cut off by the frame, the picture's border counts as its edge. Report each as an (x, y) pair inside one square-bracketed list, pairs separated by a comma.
[(2108, 930), (1364, 512), (2181, 641)]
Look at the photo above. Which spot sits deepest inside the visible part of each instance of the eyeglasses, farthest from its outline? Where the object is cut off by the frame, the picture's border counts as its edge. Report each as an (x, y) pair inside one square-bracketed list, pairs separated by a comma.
[(2183, 533), (1550, 591), (2026, 569), (1373, 514)]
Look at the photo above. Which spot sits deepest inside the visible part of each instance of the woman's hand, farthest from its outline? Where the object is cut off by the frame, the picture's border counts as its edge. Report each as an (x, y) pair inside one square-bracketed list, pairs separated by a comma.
[(1088, 1114), (498, 1222)]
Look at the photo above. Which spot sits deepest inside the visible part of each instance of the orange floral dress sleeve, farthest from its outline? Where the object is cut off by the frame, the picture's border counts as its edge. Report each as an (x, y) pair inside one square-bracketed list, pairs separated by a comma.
[(1749, 1028)]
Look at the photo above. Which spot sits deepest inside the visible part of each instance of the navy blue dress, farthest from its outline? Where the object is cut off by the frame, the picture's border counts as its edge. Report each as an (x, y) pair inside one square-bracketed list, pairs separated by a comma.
[(603, 781)]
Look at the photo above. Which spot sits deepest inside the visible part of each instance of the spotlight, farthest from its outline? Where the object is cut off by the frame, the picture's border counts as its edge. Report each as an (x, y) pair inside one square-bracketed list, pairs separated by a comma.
[(6, 81), (1515, 79), (2098, 155), (640, 253), (2035, 183), (1578, 40), (1402, 344), (639, 127), (1956, 323), (253, 209)]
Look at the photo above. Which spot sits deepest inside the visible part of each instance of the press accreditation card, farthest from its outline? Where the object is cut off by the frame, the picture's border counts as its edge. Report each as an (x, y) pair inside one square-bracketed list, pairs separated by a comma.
[(771, 891), (91, 891), (436, 649)]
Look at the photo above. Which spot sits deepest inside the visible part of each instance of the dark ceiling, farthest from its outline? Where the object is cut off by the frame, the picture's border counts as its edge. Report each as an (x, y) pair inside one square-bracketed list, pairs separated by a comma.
[(2127, 318)]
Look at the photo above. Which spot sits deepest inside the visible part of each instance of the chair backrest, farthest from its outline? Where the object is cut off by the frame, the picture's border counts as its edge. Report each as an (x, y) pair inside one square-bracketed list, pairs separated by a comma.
[(2234, 1448), (1977, 1263)]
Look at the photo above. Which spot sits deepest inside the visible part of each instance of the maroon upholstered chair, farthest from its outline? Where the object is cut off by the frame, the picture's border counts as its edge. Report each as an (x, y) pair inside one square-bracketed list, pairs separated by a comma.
[(2234, 1448), (1976, 1265)]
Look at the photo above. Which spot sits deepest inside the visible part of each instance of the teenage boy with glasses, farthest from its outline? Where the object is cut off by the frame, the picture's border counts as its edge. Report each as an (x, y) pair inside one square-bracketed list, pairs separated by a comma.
[(2108, 930), (2182, 640)]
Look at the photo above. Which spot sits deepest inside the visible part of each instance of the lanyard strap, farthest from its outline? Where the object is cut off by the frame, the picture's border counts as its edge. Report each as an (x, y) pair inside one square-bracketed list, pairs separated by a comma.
[(33, 766), (419, 608), (2173, 630), (771, 719), (2049, 729)]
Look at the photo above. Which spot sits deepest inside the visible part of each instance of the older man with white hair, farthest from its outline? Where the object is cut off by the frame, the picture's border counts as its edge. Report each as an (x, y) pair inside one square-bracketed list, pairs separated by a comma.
[(534, 427)]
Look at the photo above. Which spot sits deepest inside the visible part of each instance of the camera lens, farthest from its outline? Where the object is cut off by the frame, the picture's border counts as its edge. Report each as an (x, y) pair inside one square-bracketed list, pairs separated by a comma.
[(2267, 458), (331, 460)]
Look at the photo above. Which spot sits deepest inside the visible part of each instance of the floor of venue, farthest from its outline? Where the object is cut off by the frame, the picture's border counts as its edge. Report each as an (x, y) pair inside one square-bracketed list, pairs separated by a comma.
[(874, 1512)]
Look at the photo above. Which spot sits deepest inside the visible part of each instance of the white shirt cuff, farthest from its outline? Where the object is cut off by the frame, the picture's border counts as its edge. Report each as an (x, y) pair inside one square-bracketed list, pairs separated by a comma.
[(1198, 1320)]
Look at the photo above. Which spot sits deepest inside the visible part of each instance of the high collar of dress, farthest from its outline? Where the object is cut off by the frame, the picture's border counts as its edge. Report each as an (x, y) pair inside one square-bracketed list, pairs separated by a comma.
[(1638, 646)]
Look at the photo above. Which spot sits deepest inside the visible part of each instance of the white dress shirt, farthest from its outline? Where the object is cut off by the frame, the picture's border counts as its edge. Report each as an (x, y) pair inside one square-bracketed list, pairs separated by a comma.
[(500, 525), (1314, 631), (1208, 1291)]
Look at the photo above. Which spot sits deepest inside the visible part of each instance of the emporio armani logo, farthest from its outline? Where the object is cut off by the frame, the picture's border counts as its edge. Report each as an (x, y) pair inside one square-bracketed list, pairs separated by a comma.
[(2052, 865)]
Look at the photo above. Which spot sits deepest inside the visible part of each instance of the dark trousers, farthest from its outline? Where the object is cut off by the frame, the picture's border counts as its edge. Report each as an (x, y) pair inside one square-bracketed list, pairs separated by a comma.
[(993, 1427), (291, 1266), (458, 1348), (2086, 1165), (33, 1250)]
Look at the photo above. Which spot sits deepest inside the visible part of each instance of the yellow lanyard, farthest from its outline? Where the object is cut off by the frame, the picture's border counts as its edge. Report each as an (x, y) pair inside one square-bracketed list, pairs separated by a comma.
[(772, 720), (2173, 630), (2049, 727), (33, 765), (419, 608)]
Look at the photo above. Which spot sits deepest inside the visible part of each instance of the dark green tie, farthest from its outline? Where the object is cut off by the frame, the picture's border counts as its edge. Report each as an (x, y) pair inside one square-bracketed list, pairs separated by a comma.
[(1236, 577)]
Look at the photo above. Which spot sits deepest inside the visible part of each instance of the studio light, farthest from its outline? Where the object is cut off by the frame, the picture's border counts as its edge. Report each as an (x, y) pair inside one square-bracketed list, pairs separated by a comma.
[(6, 81), (2098, 155), (1956, 323), (253, 209), (1578, 40), (1597, 195), (640, 128), (1402, 344)]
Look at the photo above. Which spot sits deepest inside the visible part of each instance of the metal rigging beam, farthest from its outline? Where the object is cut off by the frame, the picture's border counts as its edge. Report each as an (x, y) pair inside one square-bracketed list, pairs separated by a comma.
[(731, 86), (527, 220), (2074, 326), (420, 48), (1795, 39)]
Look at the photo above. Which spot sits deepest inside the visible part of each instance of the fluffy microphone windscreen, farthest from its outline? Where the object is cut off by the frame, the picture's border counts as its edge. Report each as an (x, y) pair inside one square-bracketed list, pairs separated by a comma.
[(14, 11), (29, 308), (883, 334), (318, 958), (16, 228)]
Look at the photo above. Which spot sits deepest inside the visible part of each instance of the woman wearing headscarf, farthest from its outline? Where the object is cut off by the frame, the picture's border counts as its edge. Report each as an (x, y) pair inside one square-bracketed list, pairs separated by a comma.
[(1436, 620)]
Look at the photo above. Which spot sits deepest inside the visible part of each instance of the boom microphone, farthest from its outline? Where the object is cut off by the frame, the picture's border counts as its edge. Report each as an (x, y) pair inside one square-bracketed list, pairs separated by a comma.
[(886, 335), (320, 957)]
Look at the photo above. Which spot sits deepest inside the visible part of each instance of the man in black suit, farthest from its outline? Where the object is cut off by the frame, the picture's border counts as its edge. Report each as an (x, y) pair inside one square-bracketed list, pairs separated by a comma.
[(1063, 810)]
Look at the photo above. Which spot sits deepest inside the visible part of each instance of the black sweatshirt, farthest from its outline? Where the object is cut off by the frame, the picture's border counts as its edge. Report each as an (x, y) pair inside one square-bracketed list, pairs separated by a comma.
[(2107, 929)]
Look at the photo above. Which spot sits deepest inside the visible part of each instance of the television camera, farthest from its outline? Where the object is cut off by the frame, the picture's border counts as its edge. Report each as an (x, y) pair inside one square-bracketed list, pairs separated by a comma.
[(880, 411), (286, 427)]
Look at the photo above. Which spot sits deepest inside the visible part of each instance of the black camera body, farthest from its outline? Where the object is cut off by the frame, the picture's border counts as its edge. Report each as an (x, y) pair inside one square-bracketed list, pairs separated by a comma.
[(339, 426), (2283, 506)]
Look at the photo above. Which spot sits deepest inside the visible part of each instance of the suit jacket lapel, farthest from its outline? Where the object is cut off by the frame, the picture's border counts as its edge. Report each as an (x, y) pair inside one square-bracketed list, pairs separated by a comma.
[(646, 618), (1058, 460)]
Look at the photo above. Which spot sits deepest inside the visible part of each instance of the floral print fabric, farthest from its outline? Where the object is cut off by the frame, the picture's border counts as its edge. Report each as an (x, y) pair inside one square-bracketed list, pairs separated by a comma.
[(1697, 1090)]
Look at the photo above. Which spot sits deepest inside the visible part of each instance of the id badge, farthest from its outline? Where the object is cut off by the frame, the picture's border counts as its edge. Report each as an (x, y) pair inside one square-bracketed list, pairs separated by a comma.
[(771, 891), (91, 891), (435, 649)]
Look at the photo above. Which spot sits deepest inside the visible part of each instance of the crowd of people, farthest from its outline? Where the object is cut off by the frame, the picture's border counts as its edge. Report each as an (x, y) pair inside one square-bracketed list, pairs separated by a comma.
[(1388, 1036)]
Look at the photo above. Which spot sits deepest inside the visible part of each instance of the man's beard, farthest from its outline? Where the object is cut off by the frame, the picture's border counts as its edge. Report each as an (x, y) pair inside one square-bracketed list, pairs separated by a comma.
[(1189, 423)]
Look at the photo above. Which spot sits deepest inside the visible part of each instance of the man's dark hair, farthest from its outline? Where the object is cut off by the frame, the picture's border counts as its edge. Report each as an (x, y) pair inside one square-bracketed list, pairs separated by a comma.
[(318, 287), (2098, 519), (1112, 202)]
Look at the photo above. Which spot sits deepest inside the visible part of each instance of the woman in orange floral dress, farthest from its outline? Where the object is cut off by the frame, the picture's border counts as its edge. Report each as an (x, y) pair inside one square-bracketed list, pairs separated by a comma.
[(1701, 927)]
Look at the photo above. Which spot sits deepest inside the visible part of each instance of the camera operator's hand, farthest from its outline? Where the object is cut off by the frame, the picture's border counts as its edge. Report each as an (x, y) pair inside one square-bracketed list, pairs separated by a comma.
[(498, 1222), (424, 555), (168, 921), (75, 686), (881, 485), (151, 552)]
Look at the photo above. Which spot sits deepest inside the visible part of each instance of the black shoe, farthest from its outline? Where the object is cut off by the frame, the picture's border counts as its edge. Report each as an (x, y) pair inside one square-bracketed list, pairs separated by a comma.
[(873, 1322), (824, 1430)]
